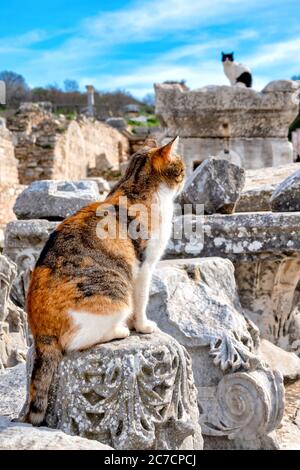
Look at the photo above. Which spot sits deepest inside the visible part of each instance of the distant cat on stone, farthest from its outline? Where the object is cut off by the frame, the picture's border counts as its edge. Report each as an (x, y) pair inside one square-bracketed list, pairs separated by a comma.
[(88, 289), (235, 72)]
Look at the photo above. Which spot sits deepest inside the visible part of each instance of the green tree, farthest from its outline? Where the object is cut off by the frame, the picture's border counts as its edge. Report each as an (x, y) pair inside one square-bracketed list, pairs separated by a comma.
[(17, 89), (71, 86)]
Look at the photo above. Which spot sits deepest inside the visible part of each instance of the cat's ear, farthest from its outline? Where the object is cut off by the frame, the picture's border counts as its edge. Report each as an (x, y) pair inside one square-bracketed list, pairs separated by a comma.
[(169, 150)]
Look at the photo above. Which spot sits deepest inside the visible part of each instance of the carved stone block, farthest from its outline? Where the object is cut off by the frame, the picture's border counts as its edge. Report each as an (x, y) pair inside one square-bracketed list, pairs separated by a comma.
[(240, 398), (24, 240), (254, 125), (217, 111), (13, 322), (265, 249), (137, 393)]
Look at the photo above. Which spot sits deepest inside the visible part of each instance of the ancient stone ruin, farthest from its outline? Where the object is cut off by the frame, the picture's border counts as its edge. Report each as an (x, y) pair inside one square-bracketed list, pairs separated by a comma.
[(240, 398), (9, 181), (14, 338), (224, 371), (223, 354), (132, 394), (36, 144), (218, 120), (53, 147)]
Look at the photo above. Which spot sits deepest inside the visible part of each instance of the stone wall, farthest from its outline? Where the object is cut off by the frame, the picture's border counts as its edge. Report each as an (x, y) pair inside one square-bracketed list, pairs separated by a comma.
[(8, 162), (53, 147), (254, 125), (105, 146), (9, 187)]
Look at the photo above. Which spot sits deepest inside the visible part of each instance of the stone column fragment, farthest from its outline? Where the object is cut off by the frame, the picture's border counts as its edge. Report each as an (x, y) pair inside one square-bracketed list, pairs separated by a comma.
[(137, 393)]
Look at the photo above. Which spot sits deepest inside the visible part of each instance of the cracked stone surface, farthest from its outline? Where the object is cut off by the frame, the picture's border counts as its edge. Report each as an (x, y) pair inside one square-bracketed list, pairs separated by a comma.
[(251, 124), (265, 249), (55, 200), (259, 187), (13, 320), (12, 390), (240, 397), (216, 184), (25, 437), (289, 433), (137, 393), (286, 197)]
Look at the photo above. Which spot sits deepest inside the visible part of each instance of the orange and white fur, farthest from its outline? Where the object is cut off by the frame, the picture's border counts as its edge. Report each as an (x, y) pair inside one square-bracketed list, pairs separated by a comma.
[(88, 289)]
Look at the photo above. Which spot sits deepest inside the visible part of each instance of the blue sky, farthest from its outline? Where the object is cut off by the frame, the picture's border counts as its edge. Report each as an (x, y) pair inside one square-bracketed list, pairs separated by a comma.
[(132, 44)]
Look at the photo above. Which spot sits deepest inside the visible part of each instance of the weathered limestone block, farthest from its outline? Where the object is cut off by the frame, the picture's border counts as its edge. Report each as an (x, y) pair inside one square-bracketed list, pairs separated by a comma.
[(287, 363), (296, 143), (55, 200), (259, 186), (255, 200), (9, 183), (8, 162), (268, 286), (237, 235), (8, 196), (103, 185), (289, 434), (13, 324), (137, 393), (12, 390), (245, 112), (216, 184), (286, 197), (117, 122), (240, 398), (265, 249), (17, 436), (252, 124), (24, 240)]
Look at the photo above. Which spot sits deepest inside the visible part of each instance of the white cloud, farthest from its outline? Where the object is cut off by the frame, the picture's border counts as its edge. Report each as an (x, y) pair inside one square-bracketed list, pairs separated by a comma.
[(141, 22), (149, 19), (87, 50), (277, 52), (190, 62)]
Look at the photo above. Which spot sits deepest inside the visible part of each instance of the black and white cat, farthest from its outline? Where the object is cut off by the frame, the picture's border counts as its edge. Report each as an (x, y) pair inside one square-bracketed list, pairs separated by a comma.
[(235, 72)]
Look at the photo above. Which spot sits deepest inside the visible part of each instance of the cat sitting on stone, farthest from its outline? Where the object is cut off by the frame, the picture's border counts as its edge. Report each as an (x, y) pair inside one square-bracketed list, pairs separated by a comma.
[(238, 74), (91, 282)]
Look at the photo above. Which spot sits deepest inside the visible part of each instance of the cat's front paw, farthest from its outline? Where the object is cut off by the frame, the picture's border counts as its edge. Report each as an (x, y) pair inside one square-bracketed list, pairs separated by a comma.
[(146, 327)]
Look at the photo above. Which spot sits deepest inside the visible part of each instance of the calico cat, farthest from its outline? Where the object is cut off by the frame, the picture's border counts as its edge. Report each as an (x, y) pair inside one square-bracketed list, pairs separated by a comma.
[(88, 289), (235, 72)]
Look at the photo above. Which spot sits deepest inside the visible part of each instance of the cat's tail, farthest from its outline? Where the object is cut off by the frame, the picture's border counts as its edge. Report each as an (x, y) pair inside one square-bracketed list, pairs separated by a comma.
[(47, 357)]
